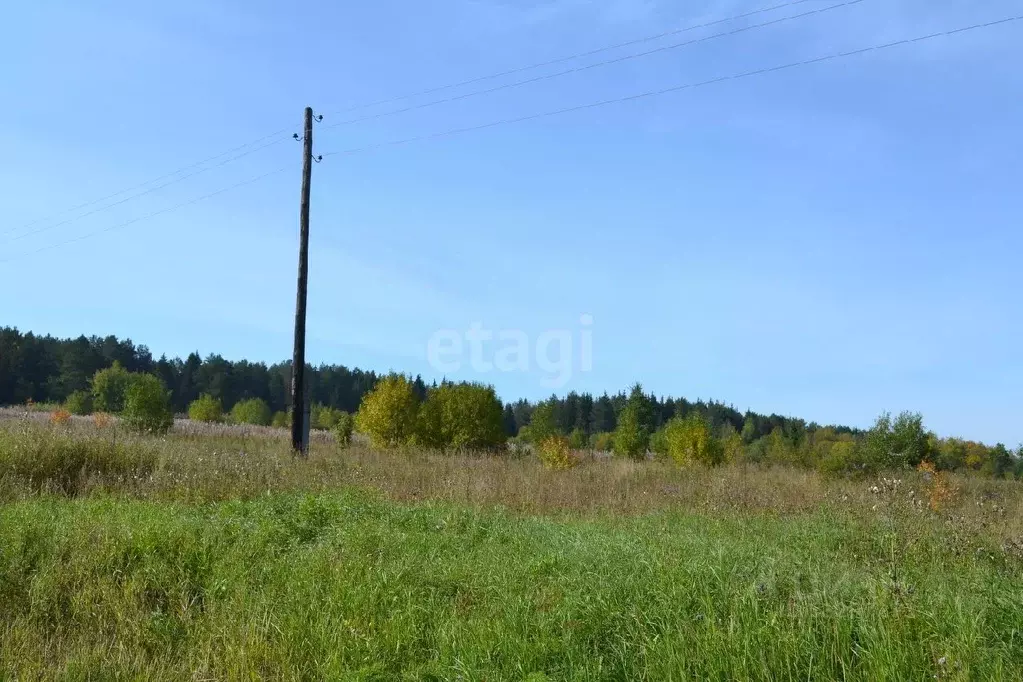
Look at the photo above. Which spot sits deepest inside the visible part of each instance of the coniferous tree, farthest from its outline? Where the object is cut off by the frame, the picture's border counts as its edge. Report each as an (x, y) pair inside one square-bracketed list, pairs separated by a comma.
[(602, 418), (511, 428)]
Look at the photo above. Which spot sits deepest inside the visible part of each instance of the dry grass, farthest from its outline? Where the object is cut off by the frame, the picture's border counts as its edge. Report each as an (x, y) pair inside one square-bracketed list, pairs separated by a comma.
[(215, 462), (486, 567)]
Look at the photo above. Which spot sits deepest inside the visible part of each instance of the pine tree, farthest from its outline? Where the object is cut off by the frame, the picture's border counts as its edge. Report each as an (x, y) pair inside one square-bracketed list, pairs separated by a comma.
[(584, 413), (511, 428), (602, 418)]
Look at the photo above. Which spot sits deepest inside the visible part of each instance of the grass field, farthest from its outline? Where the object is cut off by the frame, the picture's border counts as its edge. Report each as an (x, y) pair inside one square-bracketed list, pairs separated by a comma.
[(211, 554)]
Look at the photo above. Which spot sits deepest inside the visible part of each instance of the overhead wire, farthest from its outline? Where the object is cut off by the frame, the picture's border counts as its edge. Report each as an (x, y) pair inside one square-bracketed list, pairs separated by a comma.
[(565, 110), (587, 67), (33, 233), (675, 88), (568, 58), (427, 91), (143, 184), (147, 216)]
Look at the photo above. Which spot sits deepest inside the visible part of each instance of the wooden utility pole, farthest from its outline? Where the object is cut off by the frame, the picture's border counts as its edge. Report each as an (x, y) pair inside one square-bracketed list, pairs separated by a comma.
[(299, 414)]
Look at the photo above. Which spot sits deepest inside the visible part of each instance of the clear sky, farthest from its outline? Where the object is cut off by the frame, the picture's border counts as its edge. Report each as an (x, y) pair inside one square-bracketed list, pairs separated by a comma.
[(827, 242)]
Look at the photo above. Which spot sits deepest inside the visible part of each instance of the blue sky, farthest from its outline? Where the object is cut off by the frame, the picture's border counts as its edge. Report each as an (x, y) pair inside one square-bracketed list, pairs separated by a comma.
[(828, 242)]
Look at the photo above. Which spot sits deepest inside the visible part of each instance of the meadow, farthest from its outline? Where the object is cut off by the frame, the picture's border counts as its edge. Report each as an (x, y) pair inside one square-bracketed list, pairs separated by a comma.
[(212, 553)]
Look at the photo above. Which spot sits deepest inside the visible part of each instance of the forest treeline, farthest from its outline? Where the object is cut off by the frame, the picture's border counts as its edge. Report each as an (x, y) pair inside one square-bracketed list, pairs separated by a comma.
[(406, 410), (46, 369)]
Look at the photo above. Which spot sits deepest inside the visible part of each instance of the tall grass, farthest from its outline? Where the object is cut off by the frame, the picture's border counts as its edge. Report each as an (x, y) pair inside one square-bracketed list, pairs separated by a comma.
[(214, 554), (345, 586), (57, 459)]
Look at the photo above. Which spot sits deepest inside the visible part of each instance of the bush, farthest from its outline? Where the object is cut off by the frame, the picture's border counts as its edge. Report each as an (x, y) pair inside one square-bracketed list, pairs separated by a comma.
[(555, 453), (60, 417), (109, 388), (659, 442), (899, 444), (429, 426), (542, 423), (281, 420), (602, 441), (324, 417), (147, 407), (690, 441), (102, 420), (577, 439), (461, 416), (630, 439), (206, 409), (388, 412), (79, 402), (998, 462), (252, 411), (733, 449), (343, 429)]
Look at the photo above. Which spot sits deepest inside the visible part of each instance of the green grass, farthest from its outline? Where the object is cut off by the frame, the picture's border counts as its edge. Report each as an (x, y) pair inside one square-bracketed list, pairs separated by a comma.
[(212, 553), (348, 585), (55, 460)]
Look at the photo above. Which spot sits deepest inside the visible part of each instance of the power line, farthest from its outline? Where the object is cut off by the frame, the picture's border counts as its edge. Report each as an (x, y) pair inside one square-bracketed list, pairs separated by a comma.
[(143, 184), (143, 193), (147, 216), (652, 93), (587, 67), (417, 94), (677, 88), (579, 55)]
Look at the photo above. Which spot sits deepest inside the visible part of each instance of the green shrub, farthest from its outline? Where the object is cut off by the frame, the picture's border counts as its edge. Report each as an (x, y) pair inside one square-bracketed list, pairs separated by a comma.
[(281, 420), (756, 452), (388, 412), (602, 441), (900, 443), (630, 439), (206, 409), (109, 387), (429, 426), (343, 429), (461, 416), (542, 423), (577, 439), (251, 411), (525, 435), (324, 416), (147, 407), (79, 402), (842, 457), (733, 448), (659, 442)]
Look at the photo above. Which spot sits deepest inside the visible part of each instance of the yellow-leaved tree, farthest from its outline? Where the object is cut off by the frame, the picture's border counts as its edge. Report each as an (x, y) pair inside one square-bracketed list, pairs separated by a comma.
[(690, 441), (389, 412)]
